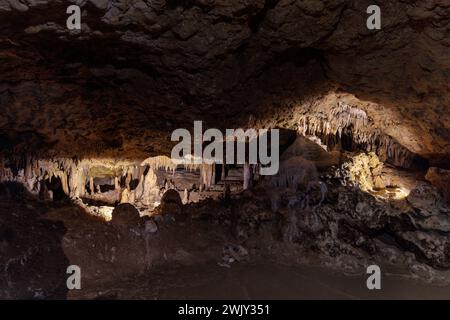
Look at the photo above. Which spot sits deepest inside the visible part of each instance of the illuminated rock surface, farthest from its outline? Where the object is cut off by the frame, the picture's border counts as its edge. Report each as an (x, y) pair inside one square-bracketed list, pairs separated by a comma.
[(138, 70), (85, 125)]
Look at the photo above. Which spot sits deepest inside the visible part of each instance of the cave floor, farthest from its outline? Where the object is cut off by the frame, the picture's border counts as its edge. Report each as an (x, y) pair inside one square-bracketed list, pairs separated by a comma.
[(45, 238), (259, 281)]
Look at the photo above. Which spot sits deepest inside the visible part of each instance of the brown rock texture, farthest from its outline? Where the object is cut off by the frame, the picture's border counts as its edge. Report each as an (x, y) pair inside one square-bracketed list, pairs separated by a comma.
[(139, 69), (440, 178)]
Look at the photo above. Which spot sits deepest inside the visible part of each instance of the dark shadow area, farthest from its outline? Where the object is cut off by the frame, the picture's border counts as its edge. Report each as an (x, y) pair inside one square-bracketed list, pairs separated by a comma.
[(32, 259), (55, 185)]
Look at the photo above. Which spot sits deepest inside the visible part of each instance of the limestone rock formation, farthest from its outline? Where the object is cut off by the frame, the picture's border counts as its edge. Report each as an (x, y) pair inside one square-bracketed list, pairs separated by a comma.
[(171, 204), (292, 64), (440, 178), (87, 117), (363, 170), (427, 199), (125, 216)]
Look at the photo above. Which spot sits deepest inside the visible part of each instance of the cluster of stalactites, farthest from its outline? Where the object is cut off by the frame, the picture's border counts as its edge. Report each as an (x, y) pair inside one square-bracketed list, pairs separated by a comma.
[(207, 171), (335, 121), (74, 174), (77, 175), (31, 172), (343, 118), (166, 163), (159, 162)]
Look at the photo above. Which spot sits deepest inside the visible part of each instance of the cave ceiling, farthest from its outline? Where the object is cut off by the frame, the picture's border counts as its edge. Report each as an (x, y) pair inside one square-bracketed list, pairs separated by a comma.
[(137, 70)]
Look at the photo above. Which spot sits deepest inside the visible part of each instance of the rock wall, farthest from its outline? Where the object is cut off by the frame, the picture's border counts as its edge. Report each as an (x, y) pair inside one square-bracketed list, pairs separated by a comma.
[(137, 70)]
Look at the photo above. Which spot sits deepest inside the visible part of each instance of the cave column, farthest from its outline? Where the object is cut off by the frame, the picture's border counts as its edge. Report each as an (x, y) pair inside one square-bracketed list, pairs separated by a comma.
[(223, 173), (91, 185), (128, 180), (77, 182), (185, 196), (206, 175), (150, 193)]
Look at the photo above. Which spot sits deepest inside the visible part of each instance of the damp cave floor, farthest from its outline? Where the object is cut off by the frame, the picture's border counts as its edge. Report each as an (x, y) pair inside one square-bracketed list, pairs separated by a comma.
[(256, 279), (245, 281)]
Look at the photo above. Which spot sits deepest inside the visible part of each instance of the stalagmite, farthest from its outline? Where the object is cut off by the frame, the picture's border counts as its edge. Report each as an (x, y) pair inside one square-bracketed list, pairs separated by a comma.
[(150, 193), (76, 181), (226, 191), (207, 175), (185, 196), (125, 196), (248, 176), (132, 197), (29, 176), (74, 174), (140, 187), (91, 185), (135, 172), (128, 180), (223, 173), (44, 193)]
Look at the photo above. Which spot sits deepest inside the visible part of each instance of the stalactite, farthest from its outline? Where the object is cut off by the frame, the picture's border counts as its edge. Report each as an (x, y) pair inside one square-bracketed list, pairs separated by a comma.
[(158, 162), (365, 136), (64, 182), (75, 173)]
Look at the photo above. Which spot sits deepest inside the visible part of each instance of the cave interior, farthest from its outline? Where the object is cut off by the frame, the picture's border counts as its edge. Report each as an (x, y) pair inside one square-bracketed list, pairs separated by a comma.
[(87, 179)]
